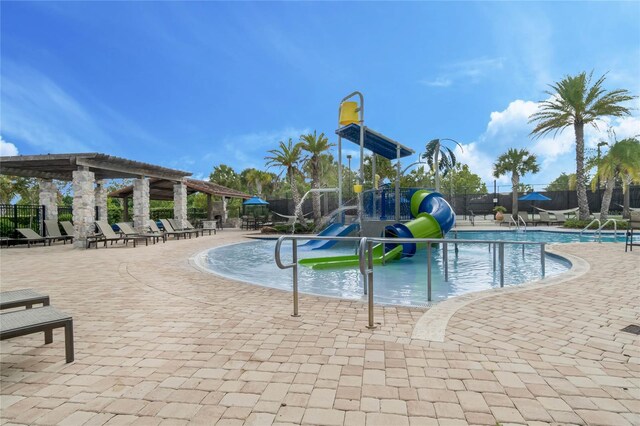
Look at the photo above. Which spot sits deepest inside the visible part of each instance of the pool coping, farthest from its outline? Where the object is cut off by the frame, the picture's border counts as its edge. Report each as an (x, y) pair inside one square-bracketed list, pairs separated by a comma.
[(432, 325)]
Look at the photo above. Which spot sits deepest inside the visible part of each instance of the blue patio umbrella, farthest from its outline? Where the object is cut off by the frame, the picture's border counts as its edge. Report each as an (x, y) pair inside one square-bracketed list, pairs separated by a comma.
[(255, 201), (534, 196)]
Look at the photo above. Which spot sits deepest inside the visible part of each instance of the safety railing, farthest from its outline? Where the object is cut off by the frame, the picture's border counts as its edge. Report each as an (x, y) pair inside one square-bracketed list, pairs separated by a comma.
[(365, 257), (598, 231)]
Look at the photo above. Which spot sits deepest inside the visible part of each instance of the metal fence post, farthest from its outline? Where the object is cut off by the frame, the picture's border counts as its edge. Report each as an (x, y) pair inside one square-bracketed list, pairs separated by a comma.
[(15, 219), (501, 254), (428, 272), (494, 257), (542, 259), (370, 283), (295, 277), (445, 260)]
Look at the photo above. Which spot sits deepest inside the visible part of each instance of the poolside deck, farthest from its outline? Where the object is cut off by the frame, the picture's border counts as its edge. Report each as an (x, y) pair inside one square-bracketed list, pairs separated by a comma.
[(158, 341)]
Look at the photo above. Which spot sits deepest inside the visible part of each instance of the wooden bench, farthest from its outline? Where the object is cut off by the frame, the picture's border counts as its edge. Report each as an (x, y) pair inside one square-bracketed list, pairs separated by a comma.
[(29, 321)]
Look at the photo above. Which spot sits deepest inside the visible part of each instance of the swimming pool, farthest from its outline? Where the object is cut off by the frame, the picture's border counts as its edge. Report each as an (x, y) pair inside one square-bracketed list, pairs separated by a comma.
[(401, 282)]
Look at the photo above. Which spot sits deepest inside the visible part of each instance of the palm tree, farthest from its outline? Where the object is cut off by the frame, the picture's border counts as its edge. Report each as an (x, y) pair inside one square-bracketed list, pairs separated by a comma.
[(621, 162), (517, 162), (257, 179), (440, 158), (288, 158), (316, 146), (576, 103)]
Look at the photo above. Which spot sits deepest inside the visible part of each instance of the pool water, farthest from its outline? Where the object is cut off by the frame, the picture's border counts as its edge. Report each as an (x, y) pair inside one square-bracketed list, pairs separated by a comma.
[(402, 282)]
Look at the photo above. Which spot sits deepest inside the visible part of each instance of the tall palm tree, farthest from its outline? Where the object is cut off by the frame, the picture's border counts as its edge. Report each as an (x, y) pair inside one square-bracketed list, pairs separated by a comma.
[(440, 158), (256, 179), (316, 145), (621, 162), (288, 157), (517, 162), (575, 102)]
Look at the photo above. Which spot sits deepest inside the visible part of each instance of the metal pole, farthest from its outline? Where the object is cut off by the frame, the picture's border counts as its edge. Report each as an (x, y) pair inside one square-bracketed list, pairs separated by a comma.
[(501, 246), (373, 185), (370, 283), (523, 251), (398, 183), (445, 260), (339, 170), (494, 257), (428, 272), (542, 259), (295, 277)]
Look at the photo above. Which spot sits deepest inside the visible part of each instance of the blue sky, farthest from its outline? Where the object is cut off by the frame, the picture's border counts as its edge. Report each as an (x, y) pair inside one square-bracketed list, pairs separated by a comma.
[(193, 85)]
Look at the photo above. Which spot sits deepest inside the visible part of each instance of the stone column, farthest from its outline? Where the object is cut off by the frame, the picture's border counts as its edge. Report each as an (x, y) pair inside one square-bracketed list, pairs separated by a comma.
[(48, 198), (140, 204), (84, 202), (209, 207), (101, 200), (225, 213), (180, 203)]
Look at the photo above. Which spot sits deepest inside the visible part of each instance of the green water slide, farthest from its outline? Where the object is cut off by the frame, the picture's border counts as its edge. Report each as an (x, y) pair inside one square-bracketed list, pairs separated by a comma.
[(332, 262)]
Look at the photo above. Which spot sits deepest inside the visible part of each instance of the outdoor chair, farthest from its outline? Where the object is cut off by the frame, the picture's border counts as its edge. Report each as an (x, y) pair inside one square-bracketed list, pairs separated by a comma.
[(108, 235), (29, 321), (188, 228), (168, 228), (524, 215), (128, 231), (154, 229), (68, 228), (248, 222), (32, 237), (53, 231), (561, 218), (201, 229), (634, 223), (210, 225), (544, 218), (24, 297)]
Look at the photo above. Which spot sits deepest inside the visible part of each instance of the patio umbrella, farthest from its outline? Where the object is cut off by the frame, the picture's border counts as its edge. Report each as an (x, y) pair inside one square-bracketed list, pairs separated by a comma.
[(534, 196)]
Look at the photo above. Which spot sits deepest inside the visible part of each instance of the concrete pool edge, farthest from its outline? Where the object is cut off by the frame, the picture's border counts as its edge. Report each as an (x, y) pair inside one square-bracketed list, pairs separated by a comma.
[(432, 325)]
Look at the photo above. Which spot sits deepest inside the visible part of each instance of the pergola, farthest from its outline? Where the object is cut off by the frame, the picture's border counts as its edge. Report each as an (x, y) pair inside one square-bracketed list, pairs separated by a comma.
[(87, 172), (162, 189)]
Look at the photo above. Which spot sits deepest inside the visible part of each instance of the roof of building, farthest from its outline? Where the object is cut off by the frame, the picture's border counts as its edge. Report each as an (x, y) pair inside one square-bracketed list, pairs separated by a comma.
[(162, 189)]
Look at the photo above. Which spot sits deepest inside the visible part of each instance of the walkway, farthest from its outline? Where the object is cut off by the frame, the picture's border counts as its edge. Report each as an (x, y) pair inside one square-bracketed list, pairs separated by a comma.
[(158, 341)]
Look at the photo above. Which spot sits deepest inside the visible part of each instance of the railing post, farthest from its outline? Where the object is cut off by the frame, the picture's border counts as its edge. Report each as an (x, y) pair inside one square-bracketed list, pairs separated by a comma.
[(542, 259), (294, 250), (494, 257), (501, 254), (523, 251), (428, 272), (445, 260), (370, 283), (15, 219)]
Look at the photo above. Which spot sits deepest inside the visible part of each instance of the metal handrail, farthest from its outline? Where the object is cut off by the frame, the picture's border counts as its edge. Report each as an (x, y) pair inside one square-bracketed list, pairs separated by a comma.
[(511, 219), (365, 247), (524, 222), (589, 225), (615, 228)]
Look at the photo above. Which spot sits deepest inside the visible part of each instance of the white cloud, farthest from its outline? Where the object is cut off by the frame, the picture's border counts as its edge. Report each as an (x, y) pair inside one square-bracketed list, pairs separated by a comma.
[(7, 148), (479, 162), (470, 70)]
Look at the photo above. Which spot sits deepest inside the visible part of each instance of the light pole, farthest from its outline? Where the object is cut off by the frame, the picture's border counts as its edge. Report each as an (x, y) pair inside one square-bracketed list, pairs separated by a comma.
[(349, 161)]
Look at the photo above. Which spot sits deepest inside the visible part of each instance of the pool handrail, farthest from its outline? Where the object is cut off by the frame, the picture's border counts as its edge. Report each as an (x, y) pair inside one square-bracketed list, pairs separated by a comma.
[(365, 246)]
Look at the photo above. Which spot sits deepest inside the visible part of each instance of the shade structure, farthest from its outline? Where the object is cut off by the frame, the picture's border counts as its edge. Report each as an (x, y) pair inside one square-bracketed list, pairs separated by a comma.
[(255, 201), (534, 196)]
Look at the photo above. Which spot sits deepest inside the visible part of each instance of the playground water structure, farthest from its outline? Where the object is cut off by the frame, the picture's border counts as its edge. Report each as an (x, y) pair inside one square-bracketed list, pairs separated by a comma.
[(433, 218)]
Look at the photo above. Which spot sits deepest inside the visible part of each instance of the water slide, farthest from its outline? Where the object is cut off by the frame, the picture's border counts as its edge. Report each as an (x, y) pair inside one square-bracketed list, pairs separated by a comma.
[(333, 230), (434, 217)]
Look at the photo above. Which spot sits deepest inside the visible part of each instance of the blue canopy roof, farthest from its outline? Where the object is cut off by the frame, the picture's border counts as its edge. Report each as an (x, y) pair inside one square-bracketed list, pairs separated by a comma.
[(255, 201), (534, 196), (374, 142)]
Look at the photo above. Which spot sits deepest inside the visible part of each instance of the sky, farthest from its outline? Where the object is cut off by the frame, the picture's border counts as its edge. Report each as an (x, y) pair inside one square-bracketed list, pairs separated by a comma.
[(192, 85)]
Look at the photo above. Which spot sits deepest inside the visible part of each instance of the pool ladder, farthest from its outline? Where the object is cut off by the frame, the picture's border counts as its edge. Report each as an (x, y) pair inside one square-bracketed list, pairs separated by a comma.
[(600, 227), (517, 223)]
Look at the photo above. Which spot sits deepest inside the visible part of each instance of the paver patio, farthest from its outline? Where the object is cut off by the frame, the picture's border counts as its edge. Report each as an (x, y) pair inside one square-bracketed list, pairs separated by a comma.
[(158, 341)]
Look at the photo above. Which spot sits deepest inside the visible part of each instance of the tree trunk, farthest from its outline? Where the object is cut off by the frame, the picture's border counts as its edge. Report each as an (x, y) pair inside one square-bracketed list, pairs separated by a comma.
[(606, 198), (315, 184), (626, 184), (296, 197), (515, 181), (581, 179)]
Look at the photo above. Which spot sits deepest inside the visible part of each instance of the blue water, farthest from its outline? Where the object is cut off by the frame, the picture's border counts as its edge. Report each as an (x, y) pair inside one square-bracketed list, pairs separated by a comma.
[(402, 282)]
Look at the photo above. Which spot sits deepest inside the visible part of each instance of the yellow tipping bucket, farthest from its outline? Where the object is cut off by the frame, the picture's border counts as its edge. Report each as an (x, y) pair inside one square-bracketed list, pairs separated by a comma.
[(357, 188), (348, 113)]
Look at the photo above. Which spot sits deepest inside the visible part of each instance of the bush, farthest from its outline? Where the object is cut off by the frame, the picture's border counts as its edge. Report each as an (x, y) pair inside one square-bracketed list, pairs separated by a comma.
[(580, 224)]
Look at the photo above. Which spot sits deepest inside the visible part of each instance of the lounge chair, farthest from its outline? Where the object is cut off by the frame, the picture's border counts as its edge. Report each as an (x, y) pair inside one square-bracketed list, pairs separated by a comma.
[(176, 227), (68, 228), (171, 230), (25, 297), (191, 227), (634, 223), (32, 237), (109, 235), (545, 218), (53, 231), (524, 216), (154, 229), (128, 231), (29, 321), (560, 218)]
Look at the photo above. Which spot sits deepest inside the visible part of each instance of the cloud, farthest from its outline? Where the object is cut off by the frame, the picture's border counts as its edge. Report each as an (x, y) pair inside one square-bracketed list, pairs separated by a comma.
[(478, 161), (472, 70), (7, 148)]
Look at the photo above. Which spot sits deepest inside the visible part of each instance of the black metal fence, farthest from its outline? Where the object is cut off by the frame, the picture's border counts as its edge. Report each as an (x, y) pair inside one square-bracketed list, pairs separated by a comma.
[(13, 216)]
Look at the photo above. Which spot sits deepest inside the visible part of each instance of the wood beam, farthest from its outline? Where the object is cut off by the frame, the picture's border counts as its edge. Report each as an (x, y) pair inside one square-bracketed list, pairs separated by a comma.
[(34, 173), (134, 172)]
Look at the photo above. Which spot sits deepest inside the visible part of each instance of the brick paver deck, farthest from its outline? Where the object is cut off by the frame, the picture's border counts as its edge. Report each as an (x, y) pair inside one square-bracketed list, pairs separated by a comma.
[(158, 341)]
